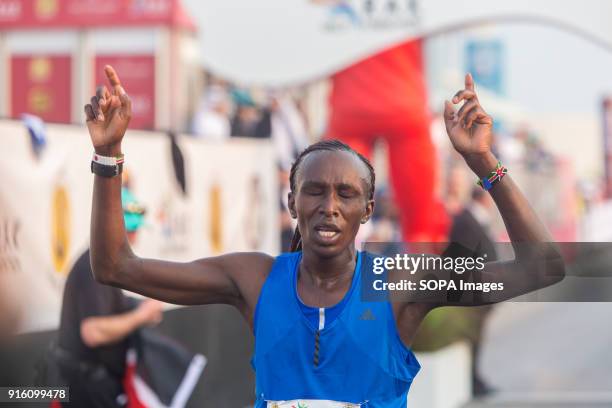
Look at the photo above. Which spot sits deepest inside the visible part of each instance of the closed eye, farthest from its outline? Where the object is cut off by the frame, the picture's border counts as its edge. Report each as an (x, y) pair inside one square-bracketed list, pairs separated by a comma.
[(312, 191), (347, 193)]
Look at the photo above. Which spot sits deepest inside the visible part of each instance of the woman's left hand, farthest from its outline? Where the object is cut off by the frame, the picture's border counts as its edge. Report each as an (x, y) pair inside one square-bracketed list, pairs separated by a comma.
[(471, 128)]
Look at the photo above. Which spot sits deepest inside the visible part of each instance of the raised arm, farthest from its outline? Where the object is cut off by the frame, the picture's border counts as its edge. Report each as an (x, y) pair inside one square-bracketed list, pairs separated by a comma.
[(232, 279), (537, 261)]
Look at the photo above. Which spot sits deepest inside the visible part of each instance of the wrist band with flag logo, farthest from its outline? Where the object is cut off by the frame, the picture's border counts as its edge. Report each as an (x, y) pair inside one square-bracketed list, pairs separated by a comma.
[(496, 175), (108, 160), (107, 166)]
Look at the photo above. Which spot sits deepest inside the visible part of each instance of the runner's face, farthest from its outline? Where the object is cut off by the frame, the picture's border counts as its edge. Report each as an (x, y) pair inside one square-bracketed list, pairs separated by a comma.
[(331, 200)]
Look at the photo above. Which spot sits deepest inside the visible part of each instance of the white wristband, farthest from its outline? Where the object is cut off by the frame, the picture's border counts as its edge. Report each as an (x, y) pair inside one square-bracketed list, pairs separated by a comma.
[(106, 160)]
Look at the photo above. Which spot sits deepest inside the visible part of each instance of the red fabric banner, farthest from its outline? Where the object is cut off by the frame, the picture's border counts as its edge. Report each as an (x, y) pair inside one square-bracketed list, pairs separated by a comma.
[(137, 73), (41, 85), (81, 13)]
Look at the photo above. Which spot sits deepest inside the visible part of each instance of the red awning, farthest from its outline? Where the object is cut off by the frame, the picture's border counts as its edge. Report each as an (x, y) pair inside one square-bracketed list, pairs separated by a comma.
[(20, 14)]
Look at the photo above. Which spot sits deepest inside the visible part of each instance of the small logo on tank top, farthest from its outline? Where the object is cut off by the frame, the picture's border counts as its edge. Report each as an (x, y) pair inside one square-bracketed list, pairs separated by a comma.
[(367, 315)]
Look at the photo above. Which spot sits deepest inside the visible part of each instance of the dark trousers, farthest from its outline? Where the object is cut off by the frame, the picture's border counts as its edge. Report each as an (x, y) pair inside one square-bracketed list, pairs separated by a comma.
[(90, 384)]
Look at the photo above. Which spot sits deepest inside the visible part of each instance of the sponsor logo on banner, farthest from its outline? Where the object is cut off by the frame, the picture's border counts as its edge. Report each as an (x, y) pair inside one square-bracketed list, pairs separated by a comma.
[(39, 69), (255, 222), (45, 9), (19, 14), (40, 100), (173, 217), (150, 7), (60, 229), (367, 315), (215, 221), (10, 229), (369, 14), (10, 9), (94, 8)]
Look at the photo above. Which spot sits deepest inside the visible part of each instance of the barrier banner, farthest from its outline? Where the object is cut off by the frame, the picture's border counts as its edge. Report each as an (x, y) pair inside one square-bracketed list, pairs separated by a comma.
[(230, 204)]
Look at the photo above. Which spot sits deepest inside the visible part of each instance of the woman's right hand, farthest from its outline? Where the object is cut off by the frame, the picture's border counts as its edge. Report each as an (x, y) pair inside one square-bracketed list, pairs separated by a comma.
[(108, 115)]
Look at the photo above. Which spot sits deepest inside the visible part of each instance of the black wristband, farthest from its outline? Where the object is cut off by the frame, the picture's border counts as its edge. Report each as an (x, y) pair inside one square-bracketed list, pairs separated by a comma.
[(106, 171)]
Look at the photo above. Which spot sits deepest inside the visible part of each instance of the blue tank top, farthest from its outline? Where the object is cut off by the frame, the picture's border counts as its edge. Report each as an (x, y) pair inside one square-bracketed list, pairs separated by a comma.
[(357, 358)]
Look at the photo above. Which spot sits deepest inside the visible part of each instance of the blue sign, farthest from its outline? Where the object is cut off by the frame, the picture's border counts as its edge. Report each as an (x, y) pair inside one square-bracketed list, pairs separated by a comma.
[(485, 61)]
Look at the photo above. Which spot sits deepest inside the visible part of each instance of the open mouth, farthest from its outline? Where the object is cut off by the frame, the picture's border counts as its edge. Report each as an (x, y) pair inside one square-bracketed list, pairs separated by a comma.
[(327, 232)]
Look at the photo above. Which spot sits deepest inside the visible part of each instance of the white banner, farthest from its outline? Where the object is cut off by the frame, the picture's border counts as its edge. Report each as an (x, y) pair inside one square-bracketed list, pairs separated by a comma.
[(231, 205), (284, 42)]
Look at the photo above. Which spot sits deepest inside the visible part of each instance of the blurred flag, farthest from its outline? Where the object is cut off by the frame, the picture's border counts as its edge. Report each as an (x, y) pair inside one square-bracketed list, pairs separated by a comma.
[(160, 372), (36, 129)]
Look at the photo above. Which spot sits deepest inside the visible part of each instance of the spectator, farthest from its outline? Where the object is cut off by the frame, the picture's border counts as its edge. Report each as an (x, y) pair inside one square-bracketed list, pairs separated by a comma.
[(288, 129), (96, 321), (246, 118), (512, 147), (385, 221), (537, 158), (211, 120), (471, 229)]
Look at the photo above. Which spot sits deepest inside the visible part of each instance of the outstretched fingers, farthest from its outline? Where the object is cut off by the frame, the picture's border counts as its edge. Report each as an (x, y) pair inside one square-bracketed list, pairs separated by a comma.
[(102, 92), (113, 78), (468, 93), (478, 116), (469, 82), (95, 105), (126, 104), (104, 98), (464, 95), (468, 112), (467, 108), (89, 113), (471, 117), (450, 116)]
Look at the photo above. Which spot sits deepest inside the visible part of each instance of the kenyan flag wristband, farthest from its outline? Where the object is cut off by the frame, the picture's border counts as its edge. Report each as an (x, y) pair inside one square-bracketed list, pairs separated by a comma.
[(487, 182)]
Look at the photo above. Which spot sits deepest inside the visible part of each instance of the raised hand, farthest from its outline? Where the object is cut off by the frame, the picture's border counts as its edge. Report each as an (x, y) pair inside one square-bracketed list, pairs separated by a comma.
[(470, 129), (108, 115)]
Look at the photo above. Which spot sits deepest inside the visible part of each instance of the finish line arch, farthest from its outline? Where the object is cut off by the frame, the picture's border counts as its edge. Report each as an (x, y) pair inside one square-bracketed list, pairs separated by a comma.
[(290, 42)]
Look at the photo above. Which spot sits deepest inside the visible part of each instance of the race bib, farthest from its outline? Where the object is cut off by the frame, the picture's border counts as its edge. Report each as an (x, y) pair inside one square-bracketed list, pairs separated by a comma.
[(311, 404)]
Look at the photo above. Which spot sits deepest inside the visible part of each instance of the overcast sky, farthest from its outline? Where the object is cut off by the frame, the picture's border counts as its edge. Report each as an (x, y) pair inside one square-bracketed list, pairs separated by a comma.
[(550, 70)]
